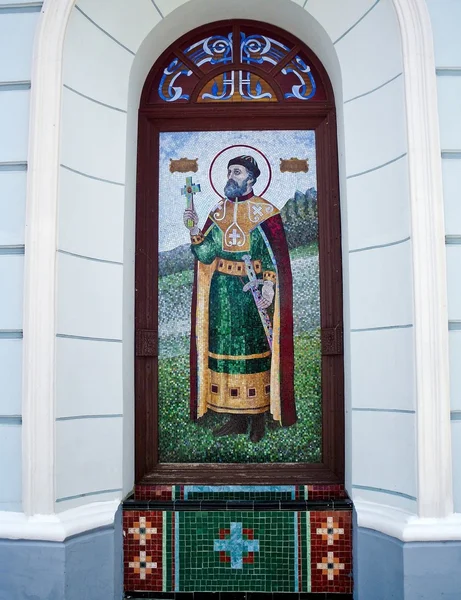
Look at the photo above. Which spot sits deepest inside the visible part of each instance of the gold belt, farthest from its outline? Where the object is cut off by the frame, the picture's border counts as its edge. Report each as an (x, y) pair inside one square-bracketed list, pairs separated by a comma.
[(236, 267)]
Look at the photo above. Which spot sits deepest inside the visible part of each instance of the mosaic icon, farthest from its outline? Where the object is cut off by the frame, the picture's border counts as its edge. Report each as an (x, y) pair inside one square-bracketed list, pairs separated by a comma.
[(239, 342), (239, 301)]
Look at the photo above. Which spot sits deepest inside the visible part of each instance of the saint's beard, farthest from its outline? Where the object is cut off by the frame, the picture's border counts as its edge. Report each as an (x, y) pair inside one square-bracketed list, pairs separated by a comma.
[(234, 190)]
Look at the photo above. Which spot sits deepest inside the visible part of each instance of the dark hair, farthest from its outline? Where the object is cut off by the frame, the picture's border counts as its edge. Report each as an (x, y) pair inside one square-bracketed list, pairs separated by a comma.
[(249, 163)]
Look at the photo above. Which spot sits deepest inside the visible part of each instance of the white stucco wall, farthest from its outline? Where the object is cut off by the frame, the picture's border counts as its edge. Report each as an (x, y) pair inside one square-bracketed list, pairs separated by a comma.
[(445, 17), (17, 27), (109, 48), (99, 110)]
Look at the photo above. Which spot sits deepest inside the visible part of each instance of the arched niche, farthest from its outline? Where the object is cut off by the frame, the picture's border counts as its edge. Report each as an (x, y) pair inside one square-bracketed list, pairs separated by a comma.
[(43, 280), (240, 76)]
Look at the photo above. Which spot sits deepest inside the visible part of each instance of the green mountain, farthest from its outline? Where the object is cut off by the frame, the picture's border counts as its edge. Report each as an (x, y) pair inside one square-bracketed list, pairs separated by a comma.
[(300, 218)]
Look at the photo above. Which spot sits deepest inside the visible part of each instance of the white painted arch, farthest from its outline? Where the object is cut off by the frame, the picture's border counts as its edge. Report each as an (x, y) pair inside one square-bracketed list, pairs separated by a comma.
[(428, 259)]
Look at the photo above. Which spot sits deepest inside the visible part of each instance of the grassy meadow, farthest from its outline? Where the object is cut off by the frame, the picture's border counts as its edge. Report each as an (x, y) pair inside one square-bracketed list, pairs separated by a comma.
[(180, 439)]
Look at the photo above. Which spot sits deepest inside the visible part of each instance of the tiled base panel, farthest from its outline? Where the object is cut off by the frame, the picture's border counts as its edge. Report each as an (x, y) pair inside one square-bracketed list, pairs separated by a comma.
[(285, 539)]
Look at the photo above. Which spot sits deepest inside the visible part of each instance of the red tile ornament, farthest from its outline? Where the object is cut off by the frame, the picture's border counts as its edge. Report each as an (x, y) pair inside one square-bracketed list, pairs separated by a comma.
[(331, 551), (142, 531)]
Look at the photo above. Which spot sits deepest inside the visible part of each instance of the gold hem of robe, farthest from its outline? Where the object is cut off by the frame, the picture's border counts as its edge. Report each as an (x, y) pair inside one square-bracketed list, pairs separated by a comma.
[(247, 394)]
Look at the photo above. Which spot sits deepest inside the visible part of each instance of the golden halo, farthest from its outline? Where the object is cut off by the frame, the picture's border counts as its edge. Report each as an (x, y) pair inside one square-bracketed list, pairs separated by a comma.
[(218, 168)]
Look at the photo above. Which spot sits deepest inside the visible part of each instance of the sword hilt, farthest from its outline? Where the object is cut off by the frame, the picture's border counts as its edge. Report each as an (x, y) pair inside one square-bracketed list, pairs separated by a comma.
[(253, 284)]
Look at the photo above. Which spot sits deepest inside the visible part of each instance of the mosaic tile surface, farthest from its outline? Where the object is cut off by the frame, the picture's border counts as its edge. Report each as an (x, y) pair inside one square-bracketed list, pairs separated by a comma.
[(143, 550), (331, 551), (239, 492), (239, 360), (236, 551), (273, 551)]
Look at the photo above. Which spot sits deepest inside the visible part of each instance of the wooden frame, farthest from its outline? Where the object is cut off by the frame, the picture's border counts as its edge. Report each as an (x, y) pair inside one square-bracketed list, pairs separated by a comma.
[(154, 118)]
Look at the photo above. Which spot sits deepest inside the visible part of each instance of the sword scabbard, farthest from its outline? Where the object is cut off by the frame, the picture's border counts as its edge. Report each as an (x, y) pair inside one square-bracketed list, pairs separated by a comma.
[(265, 319)]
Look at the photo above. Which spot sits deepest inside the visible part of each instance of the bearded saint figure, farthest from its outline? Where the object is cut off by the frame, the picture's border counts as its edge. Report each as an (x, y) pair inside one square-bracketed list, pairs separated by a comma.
[(238, 365)]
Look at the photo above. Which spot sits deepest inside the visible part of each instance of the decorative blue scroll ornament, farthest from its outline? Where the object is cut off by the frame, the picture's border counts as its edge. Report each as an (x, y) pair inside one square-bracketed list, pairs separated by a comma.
[(301, 70), (174, 70), (257, 49), (216, 49)]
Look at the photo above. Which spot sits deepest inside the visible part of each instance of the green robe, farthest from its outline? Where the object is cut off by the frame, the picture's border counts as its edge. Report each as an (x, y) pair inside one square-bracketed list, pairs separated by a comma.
[(235, 333)]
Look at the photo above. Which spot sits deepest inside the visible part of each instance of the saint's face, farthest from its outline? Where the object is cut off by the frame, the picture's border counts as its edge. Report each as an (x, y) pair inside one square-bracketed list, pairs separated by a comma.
[(237, 173), (237, 181)]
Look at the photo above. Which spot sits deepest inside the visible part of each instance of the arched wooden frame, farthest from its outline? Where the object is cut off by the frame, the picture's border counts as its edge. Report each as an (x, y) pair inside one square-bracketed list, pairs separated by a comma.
[(156, 116)]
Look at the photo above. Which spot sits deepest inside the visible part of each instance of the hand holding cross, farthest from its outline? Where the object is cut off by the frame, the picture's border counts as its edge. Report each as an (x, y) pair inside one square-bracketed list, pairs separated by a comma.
[(190, 216)]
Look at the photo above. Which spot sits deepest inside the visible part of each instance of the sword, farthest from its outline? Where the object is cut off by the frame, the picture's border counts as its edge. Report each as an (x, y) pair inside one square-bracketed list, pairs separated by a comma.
[(253, 286)]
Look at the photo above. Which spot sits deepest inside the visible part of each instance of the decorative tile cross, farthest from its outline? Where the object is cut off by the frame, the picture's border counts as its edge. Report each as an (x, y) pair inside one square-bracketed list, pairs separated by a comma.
[(234, 236), (236, 545), (142, 565), (330, 531), (142, 531), (330, 566)]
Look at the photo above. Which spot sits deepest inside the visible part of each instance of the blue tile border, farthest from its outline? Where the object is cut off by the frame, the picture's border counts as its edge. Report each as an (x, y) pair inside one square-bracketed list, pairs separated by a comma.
[(238, 488), (296, 560)]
